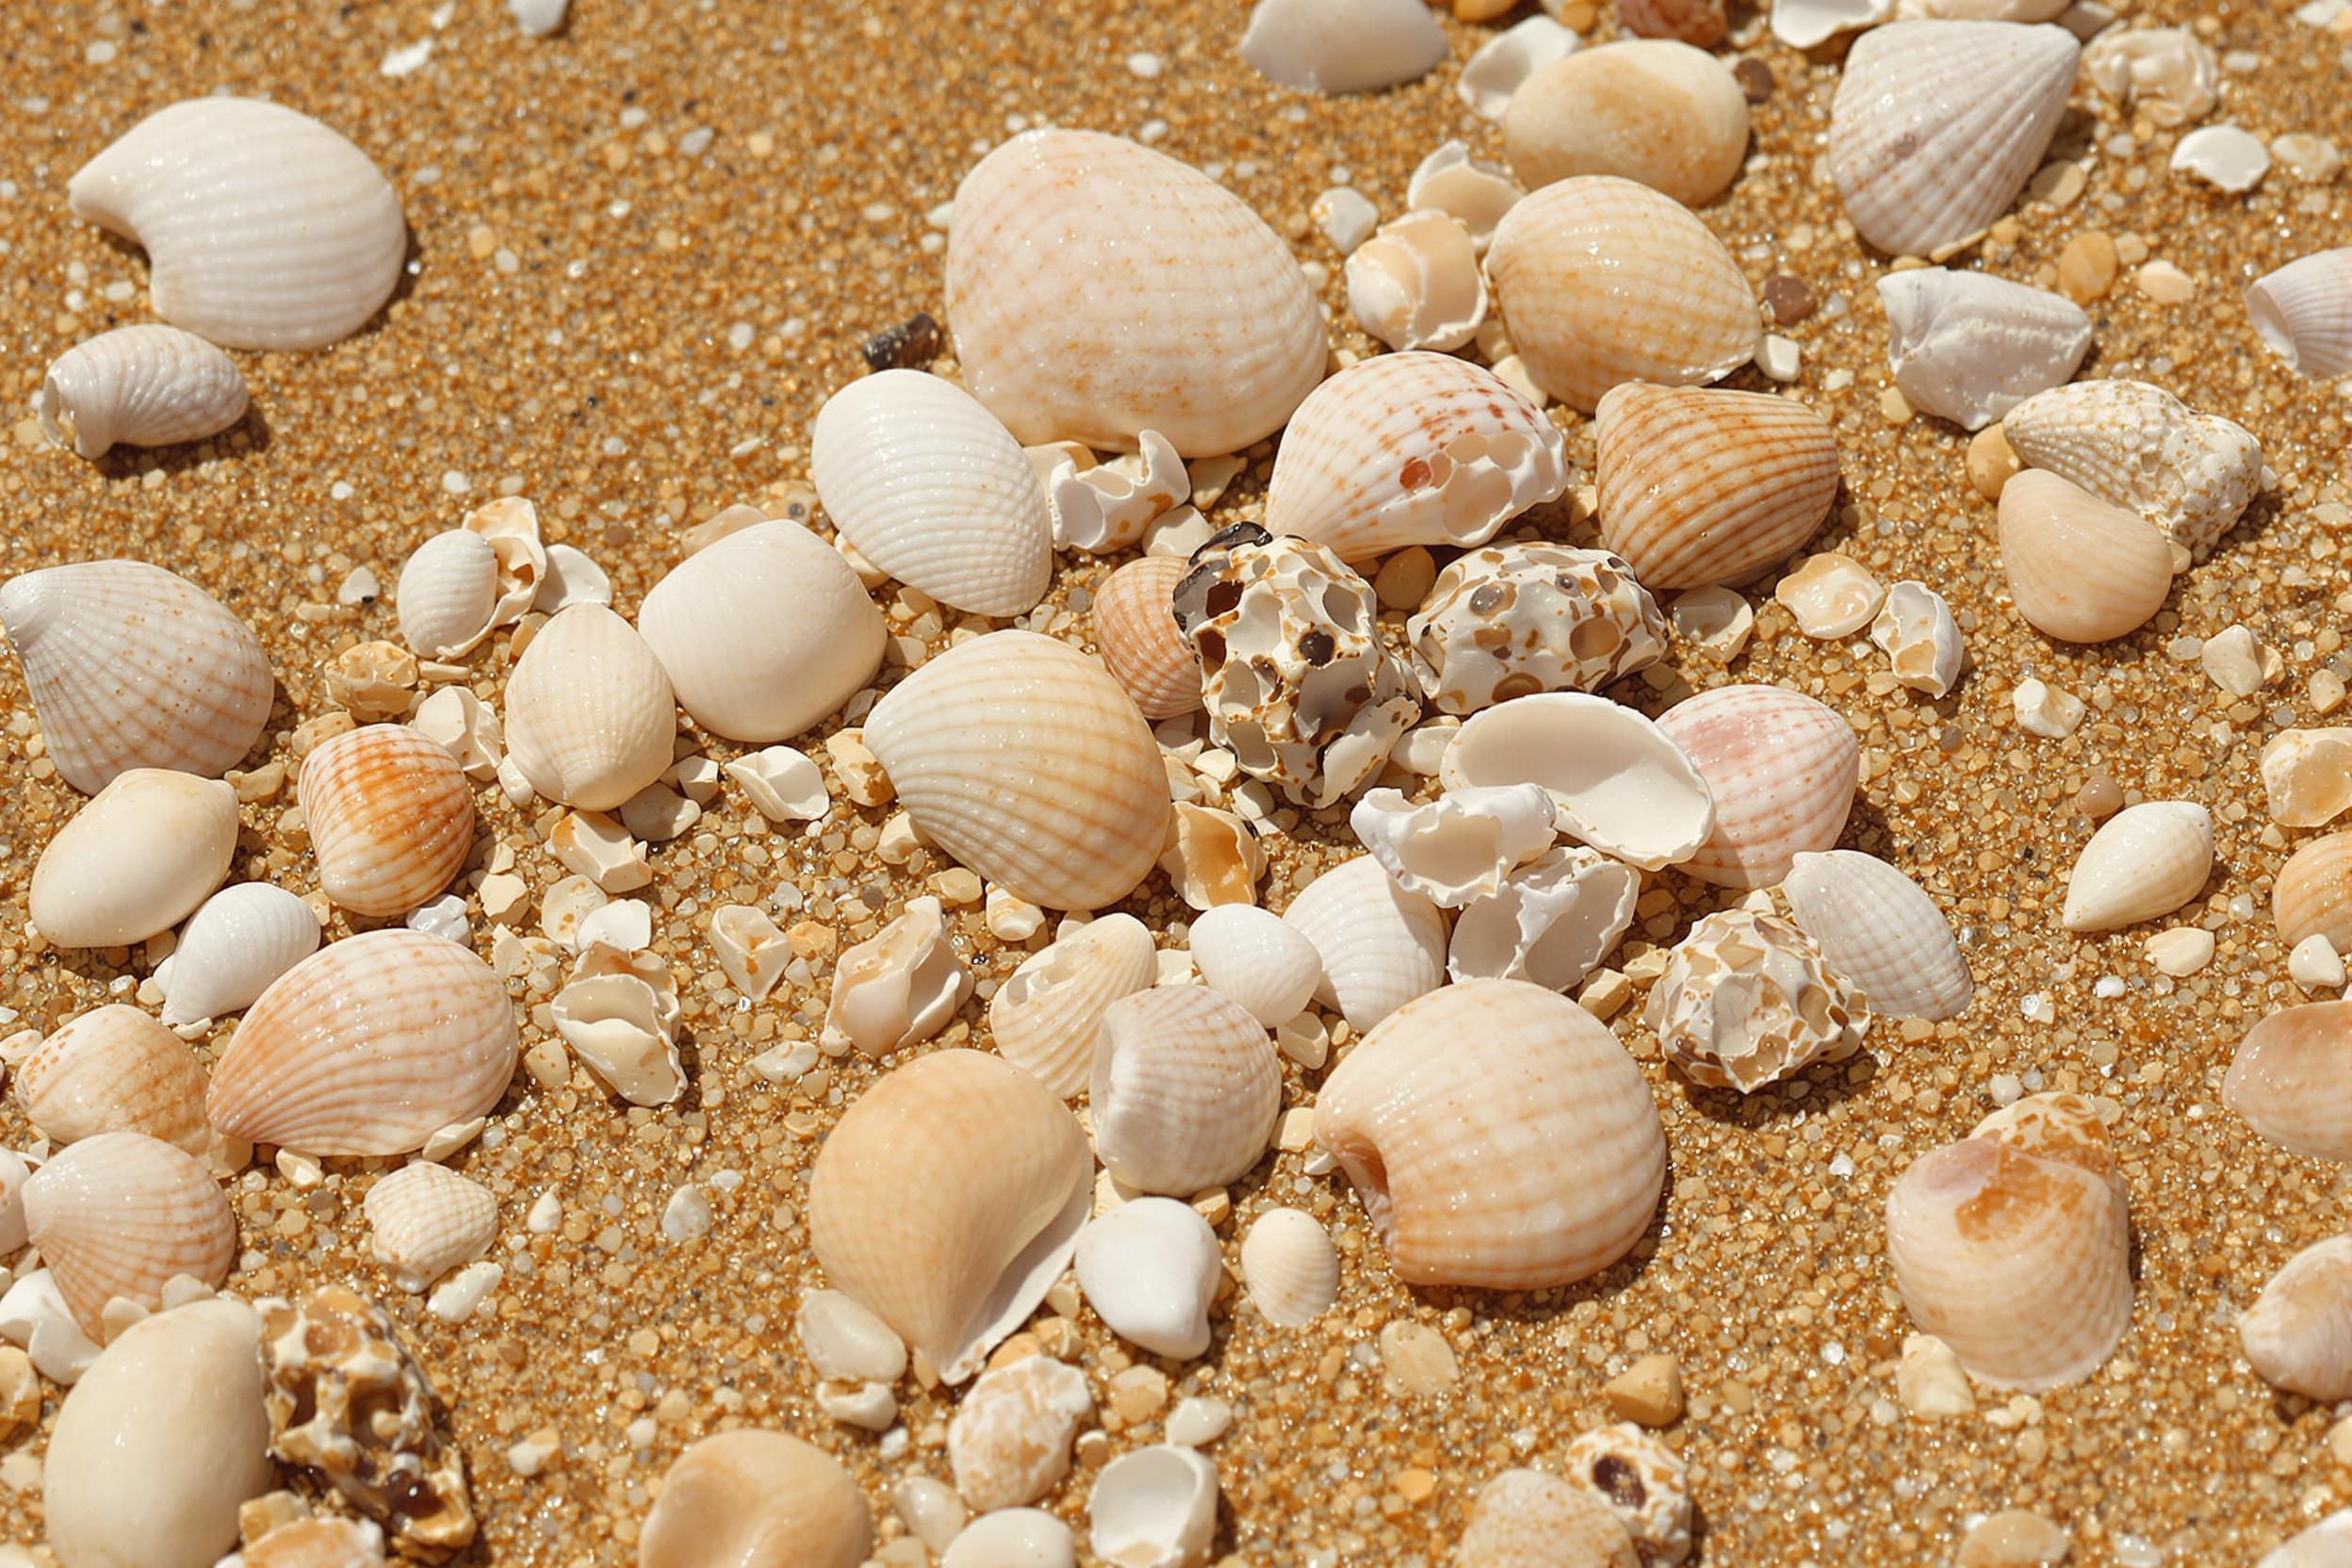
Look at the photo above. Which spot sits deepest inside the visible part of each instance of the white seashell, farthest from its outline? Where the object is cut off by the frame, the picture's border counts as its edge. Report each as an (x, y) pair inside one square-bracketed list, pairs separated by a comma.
[(2291, 1080), (120, 1214), (1970, 348), (2223, 156), (2307, 776), (1551, 922), (139, 387), (618, 1025), (1012, 1538), (1462, 845), (1046, 1013), (1259, 959), (752, 953), (1109, 506), (448, 594), (1782, 769), (1009, 1442), (1922, 638), (1832, 595), (571, 578), (1149, 1269), (1381, 945), (1183, 1090), (1746, 1000), (1334, 46), (34, 1314), (1506, 60), (590, 719), (425, 1219), (2303, 313), (1474, 194), (130, 667), (900, 986), (747, 1497), (1527, 1519), (1879, 929), (141, 855), (114, 1068), (466, 728), (2315, 965), (784, 783), (1988, 11), (511, 524), (2145, 861), (1346, 218), (263, 228), (1290, 1268), (1716, 618), (1643, 1482), (847, 1343), (1599, 111), (1509, 619), (1155, 1507), (2139, 447), (1415, 284), (1617, 782), (1804, 23), (237, 941), (2326, 1544), (390, 815), (2167, 73), (2298, 1332)]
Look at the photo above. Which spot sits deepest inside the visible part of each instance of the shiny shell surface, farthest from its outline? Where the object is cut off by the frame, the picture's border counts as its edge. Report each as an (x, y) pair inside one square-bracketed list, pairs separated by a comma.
[(390, 815), (139, 387), (1782, 769)]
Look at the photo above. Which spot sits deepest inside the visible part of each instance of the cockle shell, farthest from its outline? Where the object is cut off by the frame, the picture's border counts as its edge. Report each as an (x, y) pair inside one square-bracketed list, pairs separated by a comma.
[(390, 815), (1879, 929), (1603, 281), (369, 1046), (1600, 111), (1498, 1136), (2312, 896), (448, 594), (263, 228), (1970, 348), (237, 941), (2298, 1332), (1415, 284), (1551, 922), (947, 1200), (1920, 637), (2140, 447), (130, 667), (1289, 1268), (1698, 489), (1510, 619), (120, 1214), (1746, 1000), (141, 854), (1135, 631), (1334, 46), (2292, 1080), (1643, 1482), (114, 1070), (425, 1219), (2145, 861), (1381, 945), (1025, 760), (1618, 782), (1097, 289), (1504, 62), (590, 717), (1046, 1013), (1259, 959), (1782, 769), (1149, 1269), (2080, 569), (1155, 1507), (2303, 313), (1459, 846), (1526, 1519), (751, 1496), (1183, 1091), (1474, 194), (901, 985), (139, 387)]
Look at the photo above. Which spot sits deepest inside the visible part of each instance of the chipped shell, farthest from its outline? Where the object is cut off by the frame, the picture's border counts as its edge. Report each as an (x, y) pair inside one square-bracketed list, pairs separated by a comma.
[(1415, 284)]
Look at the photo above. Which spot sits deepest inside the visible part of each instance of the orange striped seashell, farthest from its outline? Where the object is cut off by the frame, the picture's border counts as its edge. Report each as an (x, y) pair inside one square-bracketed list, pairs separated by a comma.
[(115, 1070), (123, 1214), (1699, 488), (1135, 631), (2292, 1080), (2312, 896), (390, 815), (1782, 768)]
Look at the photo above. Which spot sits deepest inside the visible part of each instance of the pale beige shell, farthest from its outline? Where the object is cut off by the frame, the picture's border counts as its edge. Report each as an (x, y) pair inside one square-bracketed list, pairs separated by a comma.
[(2303, 313), (1498, 1136), (1528, 1519), (1415, 284), (1551, 922), (319, 1543), (425, 1219), (391, 818), (1290, 1268), (2326, 1544), (1879, 930), (114, 1070), (1183, 1090), (1618, 782), (144, 852), (2298, 1332), (139, 387), (1460, 848), (1599, 111), (2292, 1080), (122, 1214), (901, 985), (1046, 1013), (1135, 631), (2080, 569), (1782, 768), (448, 594), (1746, 1000), (2312, 896), (1381, 945), (755, 1497), (1258, 959), (2145, 861), (2140, 447), (590, 719)]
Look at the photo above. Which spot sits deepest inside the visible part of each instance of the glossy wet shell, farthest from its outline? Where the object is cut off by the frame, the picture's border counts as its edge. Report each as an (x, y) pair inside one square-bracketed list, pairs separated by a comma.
[(114, 1070), (391, 818), (2078, 569), (139, 387), (123, 1214), (2292, 1080), (2312, 895), (753, 1497), (1135, 631), (1880, 929)]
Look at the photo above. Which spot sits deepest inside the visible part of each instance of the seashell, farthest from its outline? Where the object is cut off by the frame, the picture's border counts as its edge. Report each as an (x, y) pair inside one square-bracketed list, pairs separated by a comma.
[(1599, 111), (1381, 945), (2307, 776), (1257, 958), (1603, 281), (2298, 1332), (511, 525), (1046, 1013), (2014, 1251), (2224, 156), (1289, 1268), (1937, 126), (1155, 1507), (367, 1047), (571, 578), (1474, 194), (1111, 506), (925, 483), (2291, 1080), (237, 941), (1641, 1481), (2140, 447), (425, 1219), (1212, 856), (753, 1496), (1135, 631), (1922, 638), (1183, 1090), (1346, 218), (318, 1544), (390, 815), (590, 718), (752, 953), (1969, 348), (140, 855), (1097, 289), (2303, 313), (2312, 896), (139, 387), (2326, 1544), (1504, 62), (114, 1068), (1831, 595), (1526, 1519), (947, 1200), (1782, 770), (1415, 284), (1459, 846), (1551, 922), (899, 985), (263, 228), (1078, 818), (1009, 1442), (624, 1030), (1012, 1538), (1498, 1136), (130, 667), (466, 729), (1618, 782), (2145, 861), (1747, 1000), (1804, 23), (1698, 489), (1411, 448), (1149, 1269), (2079, 569), (448, 595), (1510, 619), (1335, 46), (1695, 21), (1879, 929), (1716, 618), (2167, 73), (120, 1214)]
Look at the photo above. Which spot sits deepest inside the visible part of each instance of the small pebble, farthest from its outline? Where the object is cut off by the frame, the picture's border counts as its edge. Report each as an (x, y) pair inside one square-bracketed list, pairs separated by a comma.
[(1648, 1391), (2087, 267), (1789, 299), (1756, 80), (909, 346), (1992, 461), (1417, 1358), (2014, 1539)]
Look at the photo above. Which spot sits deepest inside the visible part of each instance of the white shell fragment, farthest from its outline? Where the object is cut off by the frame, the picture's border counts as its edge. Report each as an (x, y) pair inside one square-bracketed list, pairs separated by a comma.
[(1970, 348), (1155, 1507), (2140, 447), (1920, 638), (590, 717), (1335, 46), (899, 985), (237, 941), (1459, 846), (1009, 1442), (784, 784), (1345, 217), (135, 860), (425, 1219), (1381, 946), (1149, 1269), (2307, 776), (1289, 1268), (2303, 313), (1551, 922), (1012, 1538), (619, 1026), (1046, 1013), (2145, 861), (1616, 782), (1257, 958), (752, 953), (1415, 284), (1474, 194), (2223, 156), (1804, 23), (1879, 929), (1830, 595), (139, 387), (1747, 1000), (2167, 73), (1108, 507), (1512, 619), (1509, 58), (1183, 1091), (2326, 1544)]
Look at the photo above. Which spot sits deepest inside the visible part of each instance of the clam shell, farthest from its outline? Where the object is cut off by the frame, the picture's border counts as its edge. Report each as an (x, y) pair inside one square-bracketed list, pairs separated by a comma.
[(263, 228), (2303, 313), (2292, 1080), (1782, 769), (1879, 930), (2313, 893), (1498, 1136), (1289, 1268), (1746, 1000), (1459, 846), (1618, 782), (1135, 631), (1605, 281), (1698, 489), (1970, 348), (1524, 1518), (1552, 923), (121, 1213), (2080, 569), (1381, 945), (1155, 1505), (2145, 861), (1415, 284), (142, 854), (1259, 959), (2298, 1332), (590, 718), (754, 1496), (1183, 1090), (1599, 111), (1334, 46), (2140, 447), (369, 1046), (390, 815), (1097, 289), (132, 667), (1510, 619), (237, 941), (448, 595), (139, 387), (425, 1219), (114, 1070), (1046, 1013), (1025, 760), (947, 1200)]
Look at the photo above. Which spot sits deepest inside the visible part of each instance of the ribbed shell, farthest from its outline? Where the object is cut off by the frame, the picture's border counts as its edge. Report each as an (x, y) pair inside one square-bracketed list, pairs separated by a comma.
[(2292, 1080), (2298, 1332), (1046, 1013), (1098, 290), (369, 1046), (1185, 1089), (448, 595), (139, 387), (1604, 280), (138, 857), (390, 815), (1135, 631), (1698, 489), (1879, 930), (263, 228), (2140, 447), (425, 1219), (2080, 569), (1970, 347), (2145, 861), (1783, 770), (590, 718), (1618, 782), (1381, 945), (2303, 312), (123, 1214), (237, 941), (1025, 760), (1290, 1268), (132, 667), (2313, 893), (114, 1070), (1258, 959), (750, 1496), (1498, 1136)]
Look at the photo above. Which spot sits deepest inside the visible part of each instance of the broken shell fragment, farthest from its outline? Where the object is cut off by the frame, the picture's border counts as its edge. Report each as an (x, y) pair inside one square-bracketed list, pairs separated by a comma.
[(139, 387), (1551, 922), (590, 717), (1922, 638), (390, 815), (1695, 21), (122, 1214), (1289, 1268), (1110, 506), (899, 985), (620, 1026), (1149, 1269), (2303, 313), (1009, 1440), (1046, 1013), (1830, 595), (2307, 776), (1259, 959), (1617, 782), (1879, 929), (2291, 1080), (2326, 1544), (1641, 1481), (1381, 945), (2140, 447), (1415, 284), (237, 941), (1474, 194), (1527, 1519), (1135, 631), (1504, 62), (1155, 1507), (1599, 111), (2312, 896), (1806, 24), (2167, 73), (1747, 1000), (1335, 46), (448, 594), (752, 953), (425, 1219), (1213, 858), (136, 859), (1512, 619), (1183, 1090), (1969, 348), (1782, 770), (114, 1068), (2144, 861), (2079, 569), (2298, 1332), (1459, 846)]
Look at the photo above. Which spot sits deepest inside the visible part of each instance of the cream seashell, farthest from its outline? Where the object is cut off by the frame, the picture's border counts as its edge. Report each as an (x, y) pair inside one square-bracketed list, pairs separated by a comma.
[(1498, 1136), (1046, 1013), (1462, 845), (1922, 638), (622, 1028), (2144, 861), (2291, 1080), (237, 941), (1415, 284), (2326, 1544), (1149, 1269), (1504, 62), (1746, 1000), (925, 483), (114, 1070), (1257, 958), (2079, 569), (369, 1046), (448, 594), (1411, 448), (511, 524), (457, 719), (1474, 194), (1025, 760), (121, 1213), (2303, 313), (1012, 1538), (1937, 125), (1604, 280), (753, 954), (130, 667), (2312, 895), (1183, 1090), (2140, 447), (947, 1200), (1526, 1519), (1831, 595), (1009, 1442), (1970, 348), (1879, 930), (1381, 945), (139, 387), (1599, 111), (1335, 46), (2307, 776), (142, 854), (2224, 156), (1111, 505), (1805, 23), (425, 1219), (391, 818), (571, 578), (900, 986), (1618, 782), (590, 718), (1289, 1268), (1155, 1507), (1098, 290), (2298, 1332), (1510, 619), (1782, 769), (752, 1497), (2165, 74), (1135, 631), (1212, 856), (1551, 922)]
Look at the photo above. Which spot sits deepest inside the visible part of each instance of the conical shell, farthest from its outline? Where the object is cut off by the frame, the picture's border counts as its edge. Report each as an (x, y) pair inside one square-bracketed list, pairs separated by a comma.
[(2140, 447), (138, 857), (1879, 930), (2292, 1080), (1528, 1519), (1381, 945), (2303, 313), (1135, 631), (2298, 1332), (263, 228), (1498, 1136), (1782, 768), (1023, 758), (448, 595), (2312, 896), (1098, 290), (2144, 861), (1046, 1013), (237, 941), (139, 387), (752, 1497), (1289, 1267), (1259, 959), (132, 667), (1937, 125), (1183, 1091), (425, 1219), (1602, 111), (123, 1214), (2080, 569), (1604, 280), (1411, 448), (390, 815), (1553, 922), (947, 1200), (114, 1070), (590, 718), (1618, 782), (1708, 487), (1970, 347), (369, 1046)]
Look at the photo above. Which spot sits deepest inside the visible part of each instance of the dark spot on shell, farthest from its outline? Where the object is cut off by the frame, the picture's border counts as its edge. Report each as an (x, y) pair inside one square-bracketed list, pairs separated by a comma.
[(1488, 597), (1619, 1482), (1414, 474), (1317, 647)]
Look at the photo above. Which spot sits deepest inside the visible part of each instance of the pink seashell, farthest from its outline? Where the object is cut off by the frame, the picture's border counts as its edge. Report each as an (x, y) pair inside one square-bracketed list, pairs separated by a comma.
[(1782, 768)]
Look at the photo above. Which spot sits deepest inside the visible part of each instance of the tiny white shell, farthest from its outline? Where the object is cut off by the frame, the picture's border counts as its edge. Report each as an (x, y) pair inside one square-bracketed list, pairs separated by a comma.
[(1551, 922), (1155, 1507), (1922, 638), (1259, 959), (1415, 284), (1508, 58), (425, 1219), (1381, 945), (1110, 506), (2145, 861), (1879, 929), (1458, 847), (237, 941), (1185, 1089), (1970, 348), (1046, 1013), (2303, 313), (590, 718), (1617, 782), (2223, 156), (1335, 46), (1149, 1269), (139, 387), (135, 860), (448, 594), (1290, 1268)]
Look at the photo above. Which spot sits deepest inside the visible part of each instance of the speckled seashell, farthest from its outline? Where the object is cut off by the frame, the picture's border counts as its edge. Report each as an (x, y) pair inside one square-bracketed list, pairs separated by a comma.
[(1289, 1268), (138, 857), (1512, 619), (2292, 1080), (1009, 1442), (1259, 959), (1552, 923), (1183, 1091), (2303, 313), (590, 718), (2140, 447), (1698, 489), (1381, 945), (947, 1200), (1046, 1013), (1879, 929), (1747, 1000), (139, 387), (237, 941), (122, 1214), (1498, 1136), (749, 1496), (899, 985), (1970, 347), (2079, 569), (1459, 846), (1920, 637), (1605, 281), (1023, 758), (1474, 194), (1604, 110), (114, 1070), (1526, 1519), (1415, 284), (2312, 896), (1135, 631), (1641, 1481), (1335, 46), (448, 594), (1097, 289), (130, 667), (425, 1219), (263, 228), (1618, 782), (369, 1046), (2326, 1544), (1782, 768), (2145, 861), (2298, 1332), (390, 815)]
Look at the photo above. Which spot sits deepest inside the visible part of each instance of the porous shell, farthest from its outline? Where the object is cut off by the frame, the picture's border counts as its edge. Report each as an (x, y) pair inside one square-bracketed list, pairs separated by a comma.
[(1618, 782), (1641, 1481), (1046, 1013), (2292, 1080), (237, 941), (2312, 896), (1149, 1269), (122, 1214), (1257, 958), (1135, 631), (1747, 1000), (2079, 569), (448, 594), (1155, 1507), (1781, 768), (1528, 1519), (1289, 1268), (390, 815), (425, 1219), (1010, 1439), (2298, 1332), (1474, 194), (2145, 861), (899, 985), (1183, 1090), (2140, 447), (1512, 619), (138, 857), (1551, 922), (1879, 929), (114, 1068), (1970, 348), (1600, 111), (139, 387), (1459, 846), (2303, 313), (1503, 63), (1381, 945), (590, 717), (1920, 637), (1334, 46), (1415, 284)]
